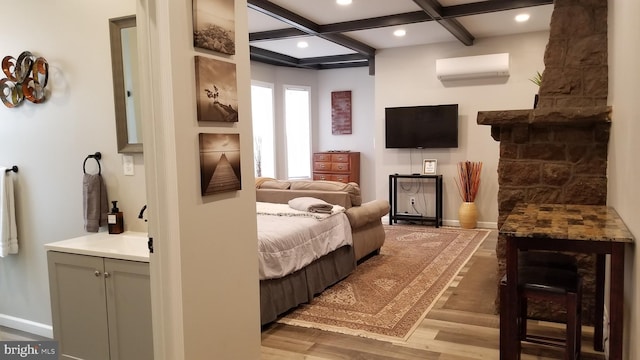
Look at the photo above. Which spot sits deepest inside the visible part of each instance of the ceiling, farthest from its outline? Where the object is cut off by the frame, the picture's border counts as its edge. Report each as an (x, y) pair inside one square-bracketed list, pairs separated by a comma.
[(349, 36)]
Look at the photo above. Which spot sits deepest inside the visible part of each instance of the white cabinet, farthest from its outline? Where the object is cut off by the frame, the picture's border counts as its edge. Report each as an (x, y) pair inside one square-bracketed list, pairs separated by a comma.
[(101, 307)]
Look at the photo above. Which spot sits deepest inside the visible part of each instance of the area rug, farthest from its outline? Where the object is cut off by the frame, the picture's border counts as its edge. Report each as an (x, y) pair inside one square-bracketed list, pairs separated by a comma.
[(388, 295)]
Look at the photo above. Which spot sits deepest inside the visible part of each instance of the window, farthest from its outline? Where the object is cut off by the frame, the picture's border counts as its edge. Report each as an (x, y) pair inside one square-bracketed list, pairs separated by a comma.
[(298, 131), (263, 129)]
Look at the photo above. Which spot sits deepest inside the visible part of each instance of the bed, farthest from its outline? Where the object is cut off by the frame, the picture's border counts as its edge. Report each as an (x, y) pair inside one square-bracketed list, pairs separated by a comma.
[(300, 254)]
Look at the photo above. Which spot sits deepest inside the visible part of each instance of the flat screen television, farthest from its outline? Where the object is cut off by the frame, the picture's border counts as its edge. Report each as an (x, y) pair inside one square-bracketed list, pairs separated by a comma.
[(429, 126)]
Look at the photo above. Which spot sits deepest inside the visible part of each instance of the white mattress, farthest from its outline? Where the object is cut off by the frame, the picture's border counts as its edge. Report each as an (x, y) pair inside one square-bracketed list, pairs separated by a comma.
[(290, 240)]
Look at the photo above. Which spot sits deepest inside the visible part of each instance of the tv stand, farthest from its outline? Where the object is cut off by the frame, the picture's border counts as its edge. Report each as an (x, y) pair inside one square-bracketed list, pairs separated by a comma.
[(394, 215)]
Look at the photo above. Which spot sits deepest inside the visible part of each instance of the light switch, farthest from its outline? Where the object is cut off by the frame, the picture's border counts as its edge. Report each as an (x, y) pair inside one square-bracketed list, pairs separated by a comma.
[(127, 164)]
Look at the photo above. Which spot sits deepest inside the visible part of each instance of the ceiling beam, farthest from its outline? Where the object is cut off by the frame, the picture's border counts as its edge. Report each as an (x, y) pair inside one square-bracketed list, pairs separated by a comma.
[(434, 9), (308, 26), (276, 34), (274, 58), (376, 22), (332, 32), (448, 12), (317, 63), (359, 58), (484, 7)]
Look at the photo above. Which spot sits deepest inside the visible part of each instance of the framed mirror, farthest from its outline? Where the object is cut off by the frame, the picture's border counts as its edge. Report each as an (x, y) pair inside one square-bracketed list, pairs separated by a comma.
[(124, 62)]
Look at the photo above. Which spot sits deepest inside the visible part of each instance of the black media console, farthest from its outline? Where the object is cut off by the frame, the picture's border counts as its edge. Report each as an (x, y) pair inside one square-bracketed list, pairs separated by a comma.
[(394, 216)]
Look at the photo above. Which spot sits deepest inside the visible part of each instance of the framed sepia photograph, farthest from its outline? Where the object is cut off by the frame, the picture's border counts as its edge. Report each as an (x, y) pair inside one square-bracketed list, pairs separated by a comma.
[(219, 163), (214, 26), (429, 166), (216, 90)]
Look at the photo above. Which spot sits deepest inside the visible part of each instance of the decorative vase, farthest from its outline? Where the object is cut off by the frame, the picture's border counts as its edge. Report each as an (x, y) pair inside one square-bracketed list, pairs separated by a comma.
[(468, 215)]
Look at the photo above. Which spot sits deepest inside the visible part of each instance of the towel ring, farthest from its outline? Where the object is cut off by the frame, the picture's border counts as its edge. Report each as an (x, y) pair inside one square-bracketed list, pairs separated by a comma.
[(97, 156)]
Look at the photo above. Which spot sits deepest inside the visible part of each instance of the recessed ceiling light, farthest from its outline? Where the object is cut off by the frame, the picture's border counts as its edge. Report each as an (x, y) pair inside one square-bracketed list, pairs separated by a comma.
[(522, 17), (400, 32), (343, 2), (303, 44)]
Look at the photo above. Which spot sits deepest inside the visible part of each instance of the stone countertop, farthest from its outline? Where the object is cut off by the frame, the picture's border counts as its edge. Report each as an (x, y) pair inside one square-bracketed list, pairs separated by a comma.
[(126, 246), (566, 221)]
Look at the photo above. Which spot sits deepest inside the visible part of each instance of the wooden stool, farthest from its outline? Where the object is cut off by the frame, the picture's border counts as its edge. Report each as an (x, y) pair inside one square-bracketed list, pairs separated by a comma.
[(549, 277)]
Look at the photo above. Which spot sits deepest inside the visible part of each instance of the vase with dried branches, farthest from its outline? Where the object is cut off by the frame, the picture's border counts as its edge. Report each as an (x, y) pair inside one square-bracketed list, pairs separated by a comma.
[(468, 183)]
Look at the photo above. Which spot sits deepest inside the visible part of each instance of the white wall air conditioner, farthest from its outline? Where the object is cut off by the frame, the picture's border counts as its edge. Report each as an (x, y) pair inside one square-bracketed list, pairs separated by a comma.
[(473, 67)]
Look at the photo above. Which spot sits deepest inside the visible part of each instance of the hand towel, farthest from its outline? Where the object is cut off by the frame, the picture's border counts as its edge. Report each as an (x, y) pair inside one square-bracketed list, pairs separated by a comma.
[(8, 228), (311, 204), (95, 203)]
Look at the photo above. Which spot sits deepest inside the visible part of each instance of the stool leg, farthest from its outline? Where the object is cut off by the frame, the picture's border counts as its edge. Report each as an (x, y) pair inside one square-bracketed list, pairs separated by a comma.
[(572, 332), (522, 318), (579, 321), (503, 322)]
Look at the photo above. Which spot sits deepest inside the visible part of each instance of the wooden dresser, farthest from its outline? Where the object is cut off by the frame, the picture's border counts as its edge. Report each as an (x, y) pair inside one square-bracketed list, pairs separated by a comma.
[(343, 166)]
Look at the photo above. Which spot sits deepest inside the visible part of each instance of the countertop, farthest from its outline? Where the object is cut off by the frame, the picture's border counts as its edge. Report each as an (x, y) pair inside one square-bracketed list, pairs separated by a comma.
[(129, 245)]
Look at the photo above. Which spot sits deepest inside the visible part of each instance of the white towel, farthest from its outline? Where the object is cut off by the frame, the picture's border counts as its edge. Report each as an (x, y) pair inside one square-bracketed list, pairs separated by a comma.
[(311, 204), (8, 228)]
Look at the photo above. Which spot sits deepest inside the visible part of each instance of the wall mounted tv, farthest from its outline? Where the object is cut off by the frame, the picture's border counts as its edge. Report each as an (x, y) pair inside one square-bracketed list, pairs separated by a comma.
[(429, 126)]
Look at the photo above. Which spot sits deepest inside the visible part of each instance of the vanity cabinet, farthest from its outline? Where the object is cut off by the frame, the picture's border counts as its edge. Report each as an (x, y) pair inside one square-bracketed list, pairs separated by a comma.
[(101, 307)]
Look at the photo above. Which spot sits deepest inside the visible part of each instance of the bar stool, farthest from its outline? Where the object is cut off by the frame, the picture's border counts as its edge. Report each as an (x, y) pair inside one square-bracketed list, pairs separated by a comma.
[(551, 277)]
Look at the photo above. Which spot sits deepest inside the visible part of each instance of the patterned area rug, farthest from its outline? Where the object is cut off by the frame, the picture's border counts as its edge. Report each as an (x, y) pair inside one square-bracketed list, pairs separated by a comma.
[(388, 295)]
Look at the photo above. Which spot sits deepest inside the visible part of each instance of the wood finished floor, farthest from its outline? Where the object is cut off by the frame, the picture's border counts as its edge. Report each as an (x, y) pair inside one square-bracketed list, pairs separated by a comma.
[(443, 335)]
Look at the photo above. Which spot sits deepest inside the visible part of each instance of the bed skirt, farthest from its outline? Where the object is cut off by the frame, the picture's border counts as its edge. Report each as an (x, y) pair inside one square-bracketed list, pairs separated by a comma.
[(279, 295)]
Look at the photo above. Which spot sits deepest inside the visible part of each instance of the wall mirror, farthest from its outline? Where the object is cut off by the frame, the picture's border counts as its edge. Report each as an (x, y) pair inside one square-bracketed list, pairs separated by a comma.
[(124, 62)]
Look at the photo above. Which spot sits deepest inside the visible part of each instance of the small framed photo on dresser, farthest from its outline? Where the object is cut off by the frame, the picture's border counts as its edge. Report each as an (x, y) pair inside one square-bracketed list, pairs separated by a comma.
[(429, 166)]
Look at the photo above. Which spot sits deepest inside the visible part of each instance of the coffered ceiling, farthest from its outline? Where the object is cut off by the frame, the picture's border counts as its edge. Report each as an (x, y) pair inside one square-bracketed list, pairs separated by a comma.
[(339, 36)]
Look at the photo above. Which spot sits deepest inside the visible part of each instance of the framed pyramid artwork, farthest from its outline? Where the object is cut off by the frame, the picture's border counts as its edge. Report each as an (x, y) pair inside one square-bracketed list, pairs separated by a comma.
[(219, 163)]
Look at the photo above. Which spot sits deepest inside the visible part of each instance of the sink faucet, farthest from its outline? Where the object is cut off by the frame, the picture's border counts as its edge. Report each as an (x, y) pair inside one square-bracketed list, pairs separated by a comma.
[(141, 215)]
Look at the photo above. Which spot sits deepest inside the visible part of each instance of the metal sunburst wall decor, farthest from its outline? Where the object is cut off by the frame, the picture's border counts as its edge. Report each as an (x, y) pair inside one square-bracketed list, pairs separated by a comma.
[(26, 78)]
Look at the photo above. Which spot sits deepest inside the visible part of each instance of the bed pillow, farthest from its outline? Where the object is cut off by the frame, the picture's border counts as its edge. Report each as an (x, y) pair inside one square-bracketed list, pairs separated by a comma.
[(323, 185)]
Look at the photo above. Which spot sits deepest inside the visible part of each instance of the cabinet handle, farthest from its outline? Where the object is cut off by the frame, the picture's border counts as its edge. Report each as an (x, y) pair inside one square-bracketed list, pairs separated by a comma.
[(106, 275), (96, 273)]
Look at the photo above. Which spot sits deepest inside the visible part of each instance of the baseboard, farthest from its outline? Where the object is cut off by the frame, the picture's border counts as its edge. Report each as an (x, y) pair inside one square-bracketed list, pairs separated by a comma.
[(456, 223), (29, 326)]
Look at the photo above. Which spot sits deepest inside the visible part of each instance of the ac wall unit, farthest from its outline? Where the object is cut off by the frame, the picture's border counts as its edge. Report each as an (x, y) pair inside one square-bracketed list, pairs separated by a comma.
[(473, 67)]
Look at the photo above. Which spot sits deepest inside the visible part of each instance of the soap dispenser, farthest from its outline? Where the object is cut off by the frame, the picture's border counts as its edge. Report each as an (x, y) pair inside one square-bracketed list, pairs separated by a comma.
[(115, 220)]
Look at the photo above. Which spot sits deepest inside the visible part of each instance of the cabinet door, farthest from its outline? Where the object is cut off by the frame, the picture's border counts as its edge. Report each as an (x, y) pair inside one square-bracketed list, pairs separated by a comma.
[(78, 305), (129, 309)]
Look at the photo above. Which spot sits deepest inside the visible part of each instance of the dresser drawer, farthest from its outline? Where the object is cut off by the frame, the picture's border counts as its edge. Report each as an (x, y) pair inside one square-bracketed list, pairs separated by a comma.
[(322, 157), (340, 167), (332, 177), (342, 178), (342, 158), (322, 166)]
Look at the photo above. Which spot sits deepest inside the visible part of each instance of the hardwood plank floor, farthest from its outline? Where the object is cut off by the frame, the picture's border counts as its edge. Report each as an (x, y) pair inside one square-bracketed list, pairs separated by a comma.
[(444, 334)]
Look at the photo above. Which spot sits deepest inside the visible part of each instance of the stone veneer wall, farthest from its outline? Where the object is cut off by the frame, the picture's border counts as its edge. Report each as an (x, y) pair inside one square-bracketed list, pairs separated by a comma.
[(557, 153)]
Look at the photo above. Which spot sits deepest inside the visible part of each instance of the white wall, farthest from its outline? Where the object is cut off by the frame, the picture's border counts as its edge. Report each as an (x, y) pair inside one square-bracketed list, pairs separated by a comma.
[(362, 137), (406, 76), (204, 273), (49, 141), (623, 169)]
